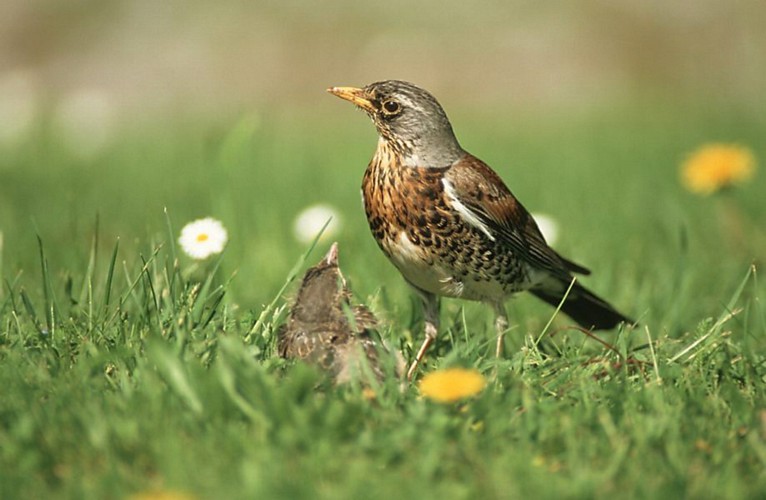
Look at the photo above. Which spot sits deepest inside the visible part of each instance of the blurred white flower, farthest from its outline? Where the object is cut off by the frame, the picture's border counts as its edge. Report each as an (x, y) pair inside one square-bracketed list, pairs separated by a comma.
[(311, 220), (18, 105), (202, 238), (86, 122), (548, 227)]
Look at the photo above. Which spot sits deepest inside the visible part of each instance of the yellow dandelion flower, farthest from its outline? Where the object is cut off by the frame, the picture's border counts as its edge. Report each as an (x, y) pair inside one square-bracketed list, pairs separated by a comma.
[(369, 394), (453, 384), (715, 166)]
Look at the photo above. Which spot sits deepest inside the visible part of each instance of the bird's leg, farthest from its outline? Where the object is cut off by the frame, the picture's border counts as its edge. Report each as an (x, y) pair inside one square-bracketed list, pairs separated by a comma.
[(431, 316), (501, 325), (431, 330)]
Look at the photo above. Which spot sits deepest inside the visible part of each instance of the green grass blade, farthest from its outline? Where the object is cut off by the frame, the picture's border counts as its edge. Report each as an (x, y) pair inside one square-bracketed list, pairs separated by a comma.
[(31, 311), (556, 311), (51, 307), (150, 285), (133, 283), (110, 277), (203, 295), (729, 312), (171, 235), (11, 299), (87, 282), (730, 306), (172, 370)]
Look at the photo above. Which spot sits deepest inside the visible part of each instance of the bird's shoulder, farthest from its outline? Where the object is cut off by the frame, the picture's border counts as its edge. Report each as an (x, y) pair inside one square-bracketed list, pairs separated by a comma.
[(483, 194), (474, 182), (480, 188)]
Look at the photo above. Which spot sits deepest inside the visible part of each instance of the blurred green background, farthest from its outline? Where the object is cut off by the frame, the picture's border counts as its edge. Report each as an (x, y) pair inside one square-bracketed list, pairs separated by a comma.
[(118, 111), (121, 109)]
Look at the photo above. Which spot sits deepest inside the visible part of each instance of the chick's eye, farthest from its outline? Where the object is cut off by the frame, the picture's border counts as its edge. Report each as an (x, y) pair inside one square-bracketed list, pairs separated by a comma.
[(391, 107)]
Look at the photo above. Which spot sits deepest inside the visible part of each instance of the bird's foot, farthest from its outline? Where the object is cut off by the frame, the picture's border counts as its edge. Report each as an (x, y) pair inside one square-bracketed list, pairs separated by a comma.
[(431, 331), (501, 325)]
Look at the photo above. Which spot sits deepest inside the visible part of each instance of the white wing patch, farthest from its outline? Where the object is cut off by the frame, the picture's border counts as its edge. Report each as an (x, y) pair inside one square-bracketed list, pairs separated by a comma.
[(464, 212)]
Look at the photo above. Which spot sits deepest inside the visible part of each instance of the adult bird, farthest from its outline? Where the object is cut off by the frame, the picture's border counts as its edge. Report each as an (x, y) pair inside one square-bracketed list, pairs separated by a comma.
[(448, 222)]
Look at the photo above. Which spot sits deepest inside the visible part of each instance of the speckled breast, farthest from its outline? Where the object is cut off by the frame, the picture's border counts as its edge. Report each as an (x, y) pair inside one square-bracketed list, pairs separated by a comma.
[(431, 245)]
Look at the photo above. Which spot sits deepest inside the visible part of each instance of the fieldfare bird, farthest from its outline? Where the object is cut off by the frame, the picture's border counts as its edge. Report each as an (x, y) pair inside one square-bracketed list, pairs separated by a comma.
[(450, 225), (326, 330)]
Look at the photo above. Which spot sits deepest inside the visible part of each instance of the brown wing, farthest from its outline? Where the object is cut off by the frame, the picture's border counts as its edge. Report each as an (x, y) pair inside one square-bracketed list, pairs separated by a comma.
[(488, 199), (364, 318)]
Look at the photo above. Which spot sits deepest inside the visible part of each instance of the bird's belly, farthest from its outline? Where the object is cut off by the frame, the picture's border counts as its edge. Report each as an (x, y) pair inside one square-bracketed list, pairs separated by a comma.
[(430, 273), (430, 244), (417, 267)]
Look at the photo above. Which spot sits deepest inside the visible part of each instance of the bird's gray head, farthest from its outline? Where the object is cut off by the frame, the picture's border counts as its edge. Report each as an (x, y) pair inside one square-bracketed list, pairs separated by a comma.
[(409, 119)]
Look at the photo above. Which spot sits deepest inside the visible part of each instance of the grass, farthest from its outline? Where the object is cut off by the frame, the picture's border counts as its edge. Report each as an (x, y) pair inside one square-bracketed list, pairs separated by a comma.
[(125, 367)]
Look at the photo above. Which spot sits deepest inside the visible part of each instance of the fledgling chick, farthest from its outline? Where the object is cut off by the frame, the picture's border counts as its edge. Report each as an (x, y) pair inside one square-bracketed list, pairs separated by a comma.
[(326, 330)]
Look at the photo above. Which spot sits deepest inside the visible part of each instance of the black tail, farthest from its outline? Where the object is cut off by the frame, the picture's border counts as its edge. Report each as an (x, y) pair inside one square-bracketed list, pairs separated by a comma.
[(588, 309)]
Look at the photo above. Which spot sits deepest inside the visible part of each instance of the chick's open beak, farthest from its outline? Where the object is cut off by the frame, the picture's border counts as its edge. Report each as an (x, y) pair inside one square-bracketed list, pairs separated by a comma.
[(357, 96), (332, 256)]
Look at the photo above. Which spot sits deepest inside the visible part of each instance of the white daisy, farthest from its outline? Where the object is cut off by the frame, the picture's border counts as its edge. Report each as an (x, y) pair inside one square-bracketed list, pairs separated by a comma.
[(202, 238), (548, 227), (310, 221)]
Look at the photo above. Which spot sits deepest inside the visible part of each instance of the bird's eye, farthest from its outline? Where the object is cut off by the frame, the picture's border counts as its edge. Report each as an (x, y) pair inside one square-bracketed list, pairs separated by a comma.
[(391, 107)]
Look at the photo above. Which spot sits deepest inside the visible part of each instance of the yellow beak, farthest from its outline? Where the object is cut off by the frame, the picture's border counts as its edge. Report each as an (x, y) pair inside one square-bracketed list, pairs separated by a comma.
[(354, 95)]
